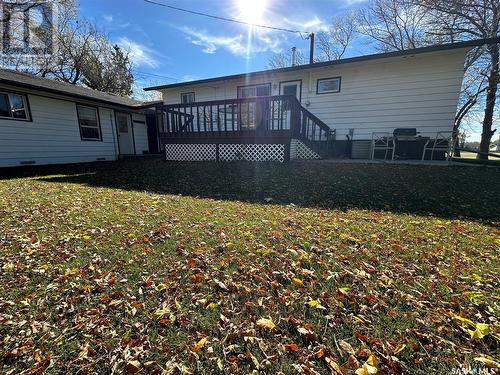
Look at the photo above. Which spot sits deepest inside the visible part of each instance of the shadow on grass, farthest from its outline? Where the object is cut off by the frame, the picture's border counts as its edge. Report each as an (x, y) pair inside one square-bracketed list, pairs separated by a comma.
[(448, 192)]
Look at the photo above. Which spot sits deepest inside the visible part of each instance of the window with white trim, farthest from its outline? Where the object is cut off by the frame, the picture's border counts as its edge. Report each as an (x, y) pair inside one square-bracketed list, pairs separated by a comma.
[(328, 85), (254, 91), (88, 119), (14, 106), (187, 97)]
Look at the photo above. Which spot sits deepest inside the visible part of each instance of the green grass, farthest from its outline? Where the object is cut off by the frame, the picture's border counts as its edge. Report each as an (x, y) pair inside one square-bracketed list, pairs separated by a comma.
[(128, 265)]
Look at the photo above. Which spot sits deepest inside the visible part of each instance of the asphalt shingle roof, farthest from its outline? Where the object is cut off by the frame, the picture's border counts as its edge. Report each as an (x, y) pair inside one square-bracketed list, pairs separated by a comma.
[(20, 79)]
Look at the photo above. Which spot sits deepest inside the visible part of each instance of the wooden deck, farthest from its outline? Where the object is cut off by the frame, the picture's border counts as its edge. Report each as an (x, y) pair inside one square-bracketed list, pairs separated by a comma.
[(261, 120)]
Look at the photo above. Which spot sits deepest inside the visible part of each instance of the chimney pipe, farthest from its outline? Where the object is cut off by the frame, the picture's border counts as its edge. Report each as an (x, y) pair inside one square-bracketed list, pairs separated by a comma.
[(294, 56)]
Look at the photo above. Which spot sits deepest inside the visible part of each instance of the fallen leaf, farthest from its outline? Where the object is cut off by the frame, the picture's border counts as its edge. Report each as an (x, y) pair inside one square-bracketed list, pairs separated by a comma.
[(481, 330), (7, 267), (366, 370), (132, 367), (197, 347), (346, 347), (313, 303), (490, 363), (291, 348), (266, 323), (372, 360), (333, 366)]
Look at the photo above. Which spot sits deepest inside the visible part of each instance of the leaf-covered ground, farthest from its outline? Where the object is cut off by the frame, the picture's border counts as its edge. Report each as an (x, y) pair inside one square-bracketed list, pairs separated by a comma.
[(314, 268)]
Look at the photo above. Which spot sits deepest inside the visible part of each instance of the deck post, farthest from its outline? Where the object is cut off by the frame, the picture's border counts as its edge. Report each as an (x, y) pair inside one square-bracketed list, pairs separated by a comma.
[(286, 156), (160, 125)]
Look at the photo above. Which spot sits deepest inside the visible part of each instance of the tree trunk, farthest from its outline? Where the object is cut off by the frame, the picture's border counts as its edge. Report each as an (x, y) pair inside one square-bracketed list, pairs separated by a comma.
[(491, 93)]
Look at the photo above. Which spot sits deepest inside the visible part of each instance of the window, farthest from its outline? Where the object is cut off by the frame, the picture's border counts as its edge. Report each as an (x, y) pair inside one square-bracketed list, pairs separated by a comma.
[(255, 90), (187, 98), (14, 106), (328, 85), (88, 119)]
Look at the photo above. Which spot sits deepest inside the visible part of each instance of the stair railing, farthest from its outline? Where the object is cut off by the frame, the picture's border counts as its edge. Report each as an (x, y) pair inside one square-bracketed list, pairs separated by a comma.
[(311, 130)]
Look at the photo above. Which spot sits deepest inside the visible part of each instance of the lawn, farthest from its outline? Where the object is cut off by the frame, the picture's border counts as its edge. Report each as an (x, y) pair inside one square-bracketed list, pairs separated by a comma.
[(314, 268)]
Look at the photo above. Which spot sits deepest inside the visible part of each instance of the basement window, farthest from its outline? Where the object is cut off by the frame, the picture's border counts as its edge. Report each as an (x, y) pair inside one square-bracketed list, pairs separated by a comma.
[(14, 106), (328, 85), (88, 119)]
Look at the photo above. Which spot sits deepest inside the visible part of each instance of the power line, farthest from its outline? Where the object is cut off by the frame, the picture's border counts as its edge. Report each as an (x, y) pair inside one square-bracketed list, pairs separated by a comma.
[(154, 75), (225, 18)]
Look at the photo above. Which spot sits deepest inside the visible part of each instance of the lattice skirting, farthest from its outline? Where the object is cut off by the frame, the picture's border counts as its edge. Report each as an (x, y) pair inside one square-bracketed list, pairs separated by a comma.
[(190, 152), (252, 152), (298, 150)]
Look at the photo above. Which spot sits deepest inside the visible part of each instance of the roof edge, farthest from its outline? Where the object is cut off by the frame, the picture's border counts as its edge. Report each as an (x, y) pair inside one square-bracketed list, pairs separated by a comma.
[(433, 48), (139, 105)]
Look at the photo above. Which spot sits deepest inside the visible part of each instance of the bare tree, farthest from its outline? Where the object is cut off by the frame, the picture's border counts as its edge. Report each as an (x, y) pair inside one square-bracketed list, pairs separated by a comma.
[(80, 52), (395, 25), (333, 44), (473, 19), (283, 60)]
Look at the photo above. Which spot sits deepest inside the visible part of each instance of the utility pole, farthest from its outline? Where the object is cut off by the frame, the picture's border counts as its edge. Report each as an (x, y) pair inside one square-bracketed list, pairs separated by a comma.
[(311, 48)]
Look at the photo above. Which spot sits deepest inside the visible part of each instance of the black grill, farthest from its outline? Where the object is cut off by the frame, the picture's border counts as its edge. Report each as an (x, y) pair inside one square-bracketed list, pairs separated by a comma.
[(405, 132)]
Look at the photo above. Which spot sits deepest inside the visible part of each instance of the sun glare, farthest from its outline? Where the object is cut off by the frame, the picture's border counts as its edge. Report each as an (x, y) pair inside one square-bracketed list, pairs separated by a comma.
[(251, 11)]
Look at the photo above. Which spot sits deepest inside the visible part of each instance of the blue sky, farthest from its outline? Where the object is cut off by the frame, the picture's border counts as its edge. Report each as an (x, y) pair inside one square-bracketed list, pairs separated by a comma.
[(168, 45)]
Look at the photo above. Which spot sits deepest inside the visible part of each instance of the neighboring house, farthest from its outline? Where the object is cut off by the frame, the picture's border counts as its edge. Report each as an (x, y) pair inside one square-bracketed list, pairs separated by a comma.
[(388, 104), (43, 121)]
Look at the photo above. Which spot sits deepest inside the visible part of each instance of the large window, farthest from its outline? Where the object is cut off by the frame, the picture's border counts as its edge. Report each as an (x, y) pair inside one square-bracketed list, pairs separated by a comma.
[(14, 106), (187, 97), (254, 90), (88, 118), (328, 85)]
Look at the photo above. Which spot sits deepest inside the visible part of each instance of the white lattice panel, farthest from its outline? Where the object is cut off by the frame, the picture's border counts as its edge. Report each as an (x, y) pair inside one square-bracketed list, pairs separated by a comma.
[(298, 150), (190, 152), (252, 152)]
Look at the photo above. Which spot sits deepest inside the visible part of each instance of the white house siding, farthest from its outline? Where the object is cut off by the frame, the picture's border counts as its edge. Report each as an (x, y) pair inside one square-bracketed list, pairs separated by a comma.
[(53, 135), (140, 134), (419, 91)]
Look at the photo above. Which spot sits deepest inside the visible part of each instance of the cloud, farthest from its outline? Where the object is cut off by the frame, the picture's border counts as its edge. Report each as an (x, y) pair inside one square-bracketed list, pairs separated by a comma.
[(108, 18), (314, 24), (237, 44), (139, 54), (189, 77), (211, 43)]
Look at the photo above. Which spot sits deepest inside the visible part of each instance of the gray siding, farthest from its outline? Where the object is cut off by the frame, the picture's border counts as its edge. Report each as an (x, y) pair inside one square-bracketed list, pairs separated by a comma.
[(53, 135)]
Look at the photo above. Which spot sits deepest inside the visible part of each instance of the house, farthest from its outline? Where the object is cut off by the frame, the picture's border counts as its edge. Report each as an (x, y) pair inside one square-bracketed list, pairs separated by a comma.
[(43, 121), (388, 105)]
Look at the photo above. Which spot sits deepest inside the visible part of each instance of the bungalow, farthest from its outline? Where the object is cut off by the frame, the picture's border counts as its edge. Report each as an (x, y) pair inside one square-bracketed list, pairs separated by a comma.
[(43, 121), (392, 105)]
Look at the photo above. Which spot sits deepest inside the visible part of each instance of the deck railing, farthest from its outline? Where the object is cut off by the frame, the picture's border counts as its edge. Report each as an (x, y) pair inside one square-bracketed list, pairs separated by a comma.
[(280, 117), (259, 114)]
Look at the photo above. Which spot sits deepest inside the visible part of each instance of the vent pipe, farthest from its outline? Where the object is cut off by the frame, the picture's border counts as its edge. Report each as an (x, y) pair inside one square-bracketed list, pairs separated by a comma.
[(294, 56)]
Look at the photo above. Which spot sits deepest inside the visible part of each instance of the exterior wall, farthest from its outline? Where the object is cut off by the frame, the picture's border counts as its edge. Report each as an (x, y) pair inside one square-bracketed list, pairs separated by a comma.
[(419, 91), (53, 134)]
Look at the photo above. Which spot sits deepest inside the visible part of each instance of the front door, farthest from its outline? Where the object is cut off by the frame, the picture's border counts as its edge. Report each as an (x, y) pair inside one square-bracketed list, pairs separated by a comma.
[(124, 130), (292, 88)]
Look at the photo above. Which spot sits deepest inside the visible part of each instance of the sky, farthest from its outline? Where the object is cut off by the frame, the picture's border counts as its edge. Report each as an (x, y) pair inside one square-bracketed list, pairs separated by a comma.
[(168, 46)]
